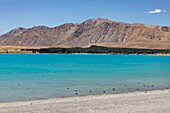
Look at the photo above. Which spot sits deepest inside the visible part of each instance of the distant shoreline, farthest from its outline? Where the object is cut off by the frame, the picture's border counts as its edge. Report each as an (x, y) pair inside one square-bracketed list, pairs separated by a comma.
[(78, 50), (87, 54), (168, 55), (145, 101)]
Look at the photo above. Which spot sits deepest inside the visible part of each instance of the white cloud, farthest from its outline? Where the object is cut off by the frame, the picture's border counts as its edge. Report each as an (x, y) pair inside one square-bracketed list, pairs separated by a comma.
[(157, 11)]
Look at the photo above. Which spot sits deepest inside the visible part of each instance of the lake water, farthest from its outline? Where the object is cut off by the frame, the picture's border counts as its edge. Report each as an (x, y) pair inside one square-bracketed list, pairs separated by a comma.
[(37, 76)]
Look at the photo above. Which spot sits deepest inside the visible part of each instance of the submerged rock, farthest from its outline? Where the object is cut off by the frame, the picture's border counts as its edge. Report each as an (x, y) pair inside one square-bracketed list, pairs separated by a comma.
[(113, 89)]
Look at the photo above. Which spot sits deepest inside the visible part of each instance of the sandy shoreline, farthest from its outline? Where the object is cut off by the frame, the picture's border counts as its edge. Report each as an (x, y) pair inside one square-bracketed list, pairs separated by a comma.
[(157, 101)]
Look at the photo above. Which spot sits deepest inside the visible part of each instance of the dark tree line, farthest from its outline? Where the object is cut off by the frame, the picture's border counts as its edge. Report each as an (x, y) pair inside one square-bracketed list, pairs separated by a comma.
[(100, 49)]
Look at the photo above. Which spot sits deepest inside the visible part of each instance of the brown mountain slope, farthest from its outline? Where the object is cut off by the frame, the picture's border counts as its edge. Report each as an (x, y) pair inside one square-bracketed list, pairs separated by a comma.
[(99, 31)]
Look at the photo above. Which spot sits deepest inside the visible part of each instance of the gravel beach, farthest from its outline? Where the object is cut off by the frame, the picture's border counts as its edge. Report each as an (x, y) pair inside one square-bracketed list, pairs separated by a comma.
[(157, 101)]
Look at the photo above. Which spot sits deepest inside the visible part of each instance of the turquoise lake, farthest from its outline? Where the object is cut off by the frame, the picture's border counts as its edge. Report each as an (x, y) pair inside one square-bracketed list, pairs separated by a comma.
[(39, 76)]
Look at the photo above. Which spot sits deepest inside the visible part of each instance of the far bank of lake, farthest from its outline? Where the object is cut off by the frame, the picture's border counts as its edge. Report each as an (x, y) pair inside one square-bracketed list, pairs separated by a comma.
[(79, 50)]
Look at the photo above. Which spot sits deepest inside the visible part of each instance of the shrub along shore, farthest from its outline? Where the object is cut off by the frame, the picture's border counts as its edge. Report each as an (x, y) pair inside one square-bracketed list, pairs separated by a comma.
[(98, 50), (78, 50)]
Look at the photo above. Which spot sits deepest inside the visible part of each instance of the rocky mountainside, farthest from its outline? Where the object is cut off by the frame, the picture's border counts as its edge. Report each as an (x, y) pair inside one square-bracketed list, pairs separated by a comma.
[(101, 32)]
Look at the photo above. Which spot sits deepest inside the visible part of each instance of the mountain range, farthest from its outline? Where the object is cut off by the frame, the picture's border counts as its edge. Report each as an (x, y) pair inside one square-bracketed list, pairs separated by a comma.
[(99, 32)]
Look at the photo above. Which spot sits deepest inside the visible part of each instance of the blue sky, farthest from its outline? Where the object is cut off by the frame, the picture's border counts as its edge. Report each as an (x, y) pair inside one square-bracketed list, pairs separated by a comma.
[(29, 13)]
